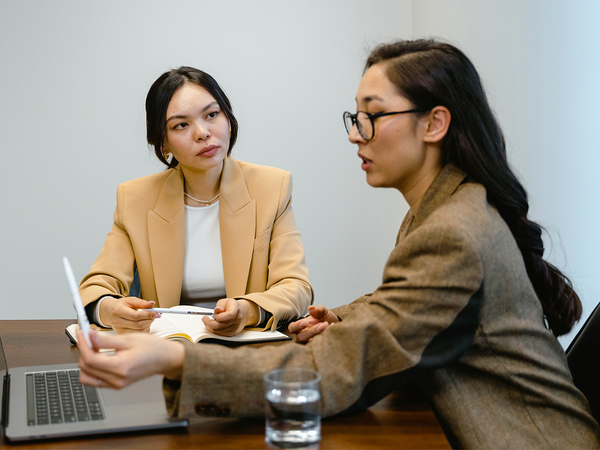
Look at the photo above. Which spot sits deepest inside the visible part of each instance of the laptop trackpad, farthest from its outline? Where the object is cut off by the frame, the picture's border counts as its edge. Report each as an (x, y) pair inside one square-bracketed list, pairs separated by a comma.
[(148, 390)]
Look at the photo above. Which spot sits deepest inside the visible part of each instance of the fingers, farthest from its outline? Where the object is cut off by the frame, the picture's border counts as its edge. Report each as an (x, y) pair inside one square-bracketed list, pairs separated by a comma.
[(299, 325), (226, 310), (228, 319), (222, 329), (128, 315), (91, 362), (308, 333), (318, 311)]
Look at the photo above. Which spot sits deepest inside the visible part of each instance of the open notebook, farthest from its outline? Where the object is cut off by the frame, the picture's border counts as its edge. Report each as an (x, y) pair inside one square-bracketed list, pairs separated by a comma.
[(191, 328)]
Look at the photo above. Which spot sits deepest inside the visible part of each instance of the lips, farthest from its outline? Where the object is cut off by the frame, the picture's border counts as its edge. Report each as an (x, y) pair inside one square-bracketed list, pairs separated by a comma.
[(208, 151), (366, 164)]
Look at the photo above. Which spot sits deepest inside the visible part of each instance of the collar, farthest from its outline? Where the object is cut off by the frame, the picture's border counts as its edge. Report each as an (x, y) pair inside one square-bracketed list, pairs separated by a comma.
[(444, 185), (233, 190)]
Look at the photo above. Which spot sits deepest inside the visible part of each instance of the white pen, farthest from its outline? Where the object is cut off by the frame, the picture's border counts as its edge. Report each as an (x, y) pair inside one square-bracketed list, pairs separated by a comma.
[(178, 311), (84, 324)]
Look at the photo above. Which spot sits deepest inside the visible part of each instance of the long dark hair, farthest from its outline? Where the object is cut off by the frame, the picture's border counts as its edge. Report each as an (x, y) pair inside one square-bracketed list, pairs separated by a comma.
[(159, 96), (431, 73)]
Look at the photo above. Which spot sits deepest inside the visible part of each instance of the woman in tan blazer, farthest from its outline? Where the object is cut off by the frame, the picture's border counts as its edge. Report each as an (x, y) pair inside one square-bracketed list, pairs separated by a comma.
[(462, 310), (263, 280)]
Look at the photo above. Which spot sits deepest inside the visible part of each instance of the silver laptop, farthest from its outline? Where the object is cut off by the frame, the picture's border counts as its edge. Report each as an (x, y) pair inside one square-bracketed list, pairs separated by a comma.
[(48, 402)]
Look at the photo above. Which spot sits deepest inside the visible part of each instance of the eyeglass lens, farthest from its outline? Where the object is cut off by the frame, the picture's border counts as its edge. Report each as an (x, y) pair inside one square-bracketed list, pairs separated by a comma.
[(363, 122)]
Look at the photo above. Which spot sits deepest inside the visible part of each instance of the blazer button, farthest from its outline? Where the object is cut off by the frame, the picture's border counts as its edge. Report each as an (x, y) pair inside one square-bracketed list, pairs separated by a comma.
[(201, 409), (212, 410), (223, 412)]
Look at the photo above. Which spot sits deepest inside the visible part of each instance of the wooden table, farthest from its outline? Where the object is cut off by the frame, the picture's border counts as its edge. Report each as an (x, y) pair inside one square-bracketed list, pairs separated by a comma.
[(396, 422)]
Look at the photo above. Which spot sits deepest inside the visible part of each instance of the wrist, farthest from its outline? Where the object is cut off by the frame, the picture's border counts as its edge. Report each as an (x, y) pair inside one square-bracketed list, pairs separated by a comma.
[(175, 357), (250, 312), (105, 310)]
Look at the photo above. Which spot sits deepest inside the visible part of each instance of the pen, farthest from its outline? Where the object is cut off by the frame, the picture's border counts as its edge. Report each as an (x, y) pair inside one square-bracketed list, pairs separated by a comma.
[(81, 315), (179, 311)]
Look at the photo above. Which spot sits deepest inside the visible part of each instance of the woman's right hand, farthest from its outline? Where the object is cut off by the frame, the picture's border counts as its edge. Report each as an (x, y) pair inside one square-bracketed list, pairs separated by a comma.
[(318, 320), (124, 315)]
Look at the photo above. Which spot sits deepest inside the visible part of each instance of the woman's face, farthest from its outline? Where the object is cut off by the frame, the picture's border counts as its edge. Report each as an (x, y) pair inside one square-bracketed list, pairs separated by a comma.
[(197, 132), (395, 156)]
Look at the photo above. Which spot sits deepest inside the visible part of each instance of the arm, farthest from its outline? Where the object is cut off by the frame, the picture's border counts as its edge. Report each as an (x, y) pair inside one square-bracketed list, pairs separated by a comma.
[(111, 276), (286, 291), (422, 317)]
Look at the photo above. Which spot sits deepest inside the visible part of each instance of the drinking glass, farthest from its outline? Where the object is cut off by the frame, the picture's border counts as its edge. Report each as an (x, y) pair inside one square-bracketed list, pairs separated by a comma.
[(293, 408)]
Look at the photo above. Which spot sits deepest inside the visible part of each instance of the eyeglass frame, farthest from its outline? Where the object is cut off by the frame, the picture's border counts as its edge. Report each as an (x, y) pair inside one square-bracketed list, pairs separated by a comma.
[(372, 117)]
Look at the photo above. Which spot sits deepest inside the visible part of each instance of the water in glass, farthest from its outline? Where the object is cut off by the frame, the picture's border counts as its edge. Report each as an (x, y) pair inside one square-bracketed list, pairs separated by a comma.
[(293, 418)]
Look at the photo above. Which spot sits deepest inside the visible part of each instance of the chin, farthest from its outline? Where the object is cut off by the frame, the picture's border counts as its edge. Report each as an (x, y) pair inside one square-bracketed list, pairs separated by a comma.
[(373, 182)]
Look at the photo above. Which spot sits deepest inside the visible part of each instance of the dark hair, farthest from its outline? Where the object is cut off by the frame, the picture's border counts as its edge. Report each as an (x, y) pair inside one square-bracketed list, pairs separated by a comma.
[(430, 73), (159, 96)]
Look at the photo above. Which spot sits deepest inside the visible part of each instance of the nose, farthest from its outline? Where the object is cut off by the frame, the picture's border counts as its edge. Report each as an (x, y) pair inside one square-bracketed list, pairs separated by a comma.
[(201, 133), (354, 136)]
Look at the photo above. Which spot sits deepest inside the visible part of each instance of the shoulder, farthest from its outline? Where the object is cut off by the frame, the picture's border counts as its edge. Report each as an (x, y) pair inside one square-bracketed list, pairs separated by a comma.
[(146, 188), (265, 180), (147, 181), (467, 221), (468, 210), (252, 172)]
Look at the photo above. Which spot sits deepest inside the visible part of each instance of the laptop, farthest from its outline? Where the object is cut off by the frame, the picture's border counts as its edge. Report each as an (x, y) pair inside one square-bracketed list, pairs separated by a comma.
[(45, 402), (48, 402)]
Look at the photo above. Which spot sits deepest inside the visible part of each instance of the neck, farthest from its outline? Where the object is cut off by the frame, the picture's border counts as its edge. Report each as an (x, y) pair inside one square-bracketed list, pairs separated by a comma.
[(203, 186), (415, 189)]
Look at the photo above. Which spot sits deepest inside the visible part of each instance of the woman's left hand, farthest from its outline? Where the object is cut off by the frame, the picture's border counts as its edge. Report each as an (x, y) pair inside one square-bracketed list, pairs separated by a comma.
[(231, 316)]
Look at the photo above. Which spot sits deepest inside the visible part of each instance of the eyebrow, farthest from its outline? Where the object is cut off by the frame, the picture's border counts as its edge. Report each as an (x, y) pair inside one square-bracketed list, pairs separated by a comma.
[(370, 98), (183, 116)]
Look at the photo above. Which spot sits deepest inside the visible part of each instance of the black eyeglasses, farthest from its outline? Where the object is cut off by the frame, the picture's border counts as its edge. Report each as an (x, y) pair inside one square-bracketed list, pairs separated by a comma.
[(365, 122)]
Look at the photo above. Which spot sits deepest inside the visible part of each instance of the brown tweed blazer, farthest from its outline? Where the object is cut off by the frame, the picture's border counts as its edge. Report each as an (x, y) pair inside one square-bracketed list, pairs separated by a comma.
[(263, 257), (455, 315)]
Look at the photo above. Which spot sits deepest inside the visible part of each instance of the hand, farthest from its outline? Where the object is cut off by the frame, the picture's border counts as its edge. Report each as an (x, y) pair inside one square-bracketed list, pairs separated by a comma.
[(318, 320), (138, 355), (231, 316), (123, 314)]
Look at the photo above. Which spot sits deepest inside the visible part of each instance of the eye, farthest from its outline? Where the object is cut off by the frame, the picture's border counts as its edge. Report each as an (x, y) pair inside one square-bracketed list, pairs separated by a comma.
[(212, 115), (180, 126)]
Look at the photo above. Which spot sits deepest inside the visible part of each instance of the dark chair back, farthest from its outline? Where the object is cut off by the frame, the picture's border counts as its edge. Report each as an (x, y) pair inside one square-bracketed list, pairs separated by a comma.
[(583, 355)]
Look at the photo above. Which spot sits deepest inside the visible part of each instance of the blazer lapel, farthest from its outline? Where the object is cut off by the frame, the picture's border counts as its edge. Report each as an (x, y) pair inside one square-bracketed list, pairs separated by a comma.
[(444, 185), (237, 218), (166, 236)]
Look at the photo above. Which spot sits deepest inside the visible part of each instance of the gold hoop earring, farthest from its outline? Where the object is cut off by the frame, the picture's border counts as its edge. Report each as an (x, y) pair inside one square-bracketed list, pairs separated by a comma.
[(230, 131)]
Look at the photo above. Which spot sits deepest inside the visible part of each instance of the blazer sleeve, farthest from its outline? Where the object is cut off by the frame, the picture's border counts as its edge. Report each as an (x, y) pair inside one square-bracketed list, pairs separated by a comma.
[(112, 272), (288, 290), (423, 316)]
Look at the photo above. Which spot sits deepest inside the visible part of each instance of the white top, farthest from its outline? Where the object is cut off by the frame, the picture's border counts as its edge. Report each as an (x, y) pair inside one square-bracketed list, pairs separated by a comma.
[(203, 277)]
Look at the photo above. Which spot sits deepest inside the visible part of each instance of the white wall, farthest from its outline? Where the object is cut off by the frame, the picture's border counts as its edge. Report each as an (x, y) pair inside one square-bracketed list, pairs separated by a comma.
[(73, 79), (540, 63), (74, 75)]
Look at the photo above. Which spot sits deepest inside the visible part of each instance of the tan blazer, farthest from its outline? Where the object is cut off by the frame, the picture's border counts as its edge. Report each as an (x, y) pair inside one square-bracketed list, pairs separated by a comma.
[(456, 315), (263, 257)]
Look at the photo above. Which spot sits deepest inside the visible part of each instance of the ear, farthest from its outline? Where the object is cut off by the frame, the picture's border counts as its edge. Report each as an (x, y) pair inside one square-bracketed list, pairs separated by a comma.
[(437, 124)]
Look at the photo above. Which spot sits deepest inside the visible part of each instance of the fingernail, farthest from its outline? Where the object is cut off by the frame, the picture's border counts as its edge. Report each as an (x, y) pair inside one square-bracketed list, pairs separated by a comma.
[(321, 326)]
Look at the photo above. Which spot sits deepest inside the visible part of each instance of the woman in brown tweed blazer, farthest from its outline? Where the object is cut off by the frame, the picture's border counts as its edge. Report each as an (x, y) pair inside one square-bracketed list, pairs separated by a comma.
[(467, 311)]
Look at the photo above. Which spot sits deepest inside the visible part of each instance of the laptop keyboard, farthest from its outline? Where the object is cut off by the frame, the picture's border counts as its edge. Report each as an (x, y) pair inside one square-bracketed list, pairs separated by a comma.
[(59, 397)]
